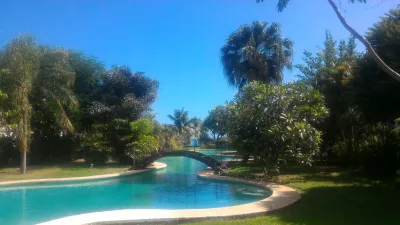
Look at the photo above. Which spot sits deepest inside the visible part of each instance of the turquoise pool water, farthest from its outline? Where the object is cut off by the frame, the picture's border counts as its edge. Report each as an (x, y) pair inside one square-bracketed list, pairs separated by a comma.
[(175, 187)]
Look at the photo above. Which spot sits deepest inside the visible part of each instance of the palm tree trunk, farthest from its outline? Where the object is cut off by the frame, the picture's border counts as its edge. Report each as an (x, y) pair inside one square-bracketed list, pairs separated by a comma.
[(371, 50), (23, 162), (24, 136)]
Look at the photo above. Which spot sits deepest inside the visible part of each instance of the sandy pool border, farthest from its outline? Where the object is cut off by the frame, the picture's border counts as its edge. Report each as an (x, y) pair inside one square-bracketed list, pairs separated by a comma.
[(156, 165), (281, 197)]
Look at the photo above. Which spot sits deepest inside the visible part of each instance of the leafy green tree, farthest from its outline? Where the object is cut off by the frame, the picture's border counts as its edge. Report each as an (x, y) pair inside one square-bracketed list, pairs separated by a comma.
[(256, 52), (124, 94), (329, 71), (217, 122), (142, 143), (3, 109), (370, 89), (195, 128), (7, 136), (89, 72), (359, 96), (122, 97), (94, 144), (374, 55), (275, 123), (43, 74), (168, 139)]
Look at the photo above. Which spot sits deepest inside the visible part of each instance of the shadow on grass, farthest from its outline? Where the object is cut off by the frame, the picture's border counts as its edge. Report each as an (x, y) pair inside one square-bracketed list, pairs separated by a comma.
[(330, 195), (344, 205), (337, 175)]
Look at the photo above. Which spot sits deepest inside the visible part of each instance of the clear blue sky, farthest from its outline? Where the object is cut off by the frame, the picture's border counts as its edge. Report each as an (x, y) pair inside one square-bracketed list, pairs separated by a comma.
[(176, 41)]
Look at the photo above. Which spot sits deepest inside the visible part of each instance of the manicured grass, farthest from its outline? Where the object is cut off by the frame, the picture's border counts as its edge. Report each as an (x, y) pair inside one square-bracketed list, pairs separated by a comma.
[(330, 195), (60, 171)]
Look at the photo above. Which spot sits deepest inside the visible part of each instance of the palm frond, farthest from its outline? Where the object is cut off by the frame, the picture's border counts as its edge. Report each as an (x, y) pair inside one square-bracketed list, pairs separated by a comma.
[(256, 52), (62, 118)]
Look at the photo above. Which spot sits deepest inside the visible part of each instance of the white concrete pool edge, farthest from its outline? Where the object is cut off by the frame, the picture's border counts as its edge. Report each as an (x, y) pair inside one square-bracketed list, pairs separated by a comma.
[(281, 197), (155, 166)]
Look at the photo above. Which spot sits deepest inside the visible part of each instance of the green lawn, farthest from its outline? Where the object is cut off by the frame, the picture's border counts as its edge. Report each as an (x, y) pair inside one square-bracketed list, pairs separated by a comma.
[(329, 196), (60, 171)]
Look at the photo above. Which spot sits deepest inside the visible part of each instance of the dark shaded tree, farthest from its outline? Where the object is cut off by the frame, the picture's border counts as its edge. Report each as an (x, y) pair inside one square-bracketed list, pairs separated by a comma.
[(217, 122)]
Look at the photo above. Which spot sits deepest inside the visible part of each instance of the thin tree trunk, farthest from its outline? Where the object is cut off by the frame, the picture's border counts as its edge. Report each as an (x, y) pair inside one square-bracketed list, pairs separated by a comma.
[(371, 50), (23, 162), (134, 159)]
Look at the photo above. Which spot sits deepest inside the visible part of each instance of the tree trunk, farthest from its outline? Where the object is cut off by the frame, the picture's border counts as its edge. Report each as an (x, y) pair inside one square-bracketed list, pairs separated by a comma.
[(23, 162), (134, 159), (245, 158), (371, 50)]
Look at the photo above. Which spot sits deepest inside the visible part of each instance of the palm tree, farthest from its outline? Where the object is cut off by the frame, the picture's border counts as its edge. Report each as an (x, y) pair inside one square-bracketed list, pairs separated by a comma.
[(41, 75), (256, 52), (181, 120), (195, 125)]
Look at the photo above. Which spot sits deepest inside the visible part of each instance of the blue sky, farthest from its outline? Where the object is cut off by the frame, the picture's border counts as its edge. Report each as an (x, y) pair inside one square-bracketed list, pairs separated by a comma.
[(176, 42)]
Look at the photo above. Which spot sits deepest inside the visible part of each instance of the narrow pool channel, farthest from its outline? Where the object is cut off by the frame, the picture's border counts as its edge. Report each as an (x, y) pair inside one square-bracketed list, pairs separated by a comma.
[(175, 187)]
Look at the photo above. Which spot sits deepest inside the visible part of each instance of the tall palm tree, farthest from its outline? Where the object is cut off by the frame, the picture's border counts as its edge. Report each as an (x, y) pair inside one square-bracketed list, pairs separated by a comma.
[(256, 52), (40, 74), (21, 60), (195, 125), (181, 120)]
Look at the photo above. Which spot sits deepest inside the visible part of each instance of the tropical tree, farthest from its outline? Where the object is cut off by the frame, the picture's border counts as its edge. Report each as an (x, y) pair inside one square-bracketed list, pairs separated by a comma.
[(3, 109), (141, 141), (195, 128), (329, 71), (370, 88), (43, 74), (217, 122), (95, 145), (167, 136), (122, 97), (256, 52), (180, 120), (89, 72), (281, 5), (275, 123), (124, 94), (21, 61)]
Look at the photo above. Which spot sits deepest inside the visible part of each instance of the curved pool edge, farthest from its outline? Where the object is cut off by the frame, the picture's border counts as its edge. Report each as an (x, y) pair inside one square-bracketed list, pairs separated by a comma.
[(281, 197), (155, 166)]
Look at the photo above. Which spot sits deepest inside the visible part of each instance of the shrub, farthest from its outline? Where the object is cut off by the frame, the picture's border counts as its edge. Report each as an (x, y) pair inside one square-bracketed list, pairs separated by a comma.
[(275, 122)]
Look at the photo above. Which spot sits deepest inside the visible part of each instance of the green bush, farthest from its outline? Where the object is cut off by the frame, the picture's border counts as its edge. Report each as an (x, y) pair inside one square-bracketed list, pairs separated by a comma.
[(276, 122)]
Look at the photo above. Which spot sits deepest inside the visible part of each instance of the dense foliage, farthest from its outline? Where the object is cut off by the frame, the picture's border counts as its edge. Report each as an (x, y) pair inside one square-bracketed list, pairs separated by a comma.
[(141, 142), (188, 128), (360, 127), (217, 122), (275, 123), (360, 97), (62, 105), (39, 80)]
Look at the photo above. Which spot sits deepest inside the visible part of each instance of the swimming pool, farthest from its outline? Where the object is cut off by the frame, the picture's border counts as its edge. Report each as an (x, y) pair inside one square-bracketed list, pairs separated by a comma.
[(175, 187)]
